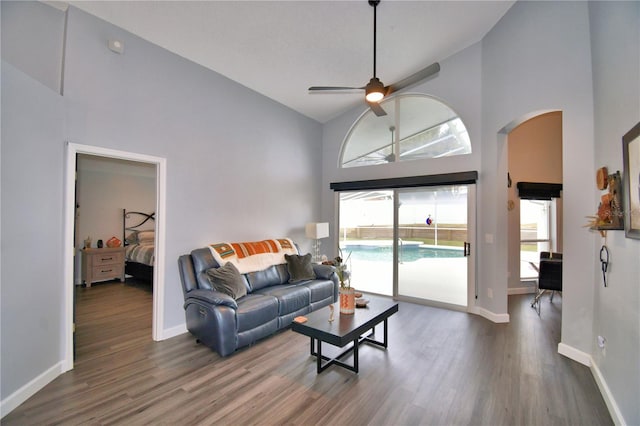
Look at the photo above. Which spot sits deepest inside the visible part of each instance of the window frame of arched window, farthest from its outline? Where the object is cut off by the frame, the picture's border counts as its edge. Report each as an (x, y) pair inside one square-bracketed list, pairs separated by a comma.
[(403, 135)]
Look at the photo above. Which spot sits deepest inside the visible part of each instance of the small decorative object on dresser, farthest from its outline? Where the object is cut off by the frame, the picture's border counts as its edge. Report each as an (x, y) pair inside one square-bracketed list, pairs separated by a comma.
[(113, 242), (102, 264)]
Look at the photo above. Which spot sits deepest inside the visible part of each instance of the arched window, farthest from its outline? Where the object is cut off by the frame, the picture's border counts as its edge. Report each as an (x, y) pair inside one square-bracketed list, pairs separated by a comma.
[(416, 127)]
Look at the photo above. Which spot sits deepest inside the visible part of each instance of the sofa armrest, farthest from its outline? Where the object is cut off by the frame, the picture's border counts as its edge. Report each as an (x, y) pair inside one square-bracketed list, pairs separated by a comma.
[(211, 297), (323, 271)]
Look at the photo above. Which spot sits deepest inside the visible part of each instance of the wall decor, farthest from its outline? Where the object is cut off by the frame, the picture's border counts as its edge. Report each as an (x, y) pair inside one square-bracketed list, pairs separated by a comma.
[(631, 158), (610, 210)]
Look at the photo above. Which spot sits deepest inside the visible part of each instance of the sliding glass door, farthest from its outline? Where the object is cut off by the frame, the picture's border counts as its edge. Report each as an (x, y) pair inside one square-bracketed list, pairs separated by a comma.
[(411, 243), (433, 242)]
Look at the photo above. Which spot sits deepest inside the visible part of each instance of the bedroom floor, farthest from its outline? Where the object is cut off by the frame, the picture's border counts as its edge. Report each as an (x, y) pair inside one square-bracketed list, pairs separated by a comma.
[(109, 314)]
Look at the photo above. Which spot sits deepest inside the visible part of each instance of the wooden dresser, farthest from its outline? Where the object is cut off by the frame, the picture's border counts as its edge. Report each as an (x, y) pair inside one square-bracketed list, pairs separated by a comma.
[(100, 264)]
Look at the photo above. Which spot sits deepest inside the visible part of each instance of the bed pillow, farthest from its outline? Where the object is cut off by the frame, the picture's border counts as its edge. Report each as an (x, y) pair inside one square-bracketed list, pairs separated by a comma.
[(132, 238), (299, 267), (226, 279), (146, 237)]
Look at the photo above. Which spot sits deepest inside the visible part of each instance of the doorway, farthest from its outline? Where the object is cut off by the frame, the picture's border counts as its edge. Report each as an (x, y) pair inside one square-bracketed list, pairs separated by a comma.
[(104, 186), (73, 150), (534, 155)]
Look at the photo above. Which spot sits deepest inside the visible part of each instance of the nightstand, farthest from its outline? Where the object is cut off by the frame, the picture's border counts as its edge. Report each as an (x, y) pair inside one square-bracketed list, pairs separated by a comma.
[(100, 264)]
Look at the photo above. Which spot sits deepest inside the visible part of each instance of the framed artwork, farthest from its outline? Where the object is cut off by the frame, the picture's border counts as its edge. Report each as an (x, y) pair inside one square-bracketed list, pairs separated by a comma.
[(631, 158)]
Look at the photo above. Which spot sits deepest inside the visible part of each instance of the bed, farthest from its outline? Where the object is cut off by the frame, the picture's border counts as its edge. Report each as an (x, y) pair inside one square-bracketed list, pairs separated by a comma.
[(138, 234)]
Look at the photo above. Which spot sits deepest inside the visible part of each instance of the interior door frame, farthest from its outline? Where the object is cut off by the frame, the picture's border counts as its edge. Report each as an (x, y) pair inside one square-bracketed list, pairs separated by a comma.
[(72, 150)]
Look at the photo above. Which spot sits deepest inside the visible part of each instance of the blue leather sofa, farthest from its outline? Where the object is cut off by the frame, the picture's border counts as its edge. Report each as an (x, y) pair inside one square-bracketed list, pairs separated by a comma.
[(225, 324)]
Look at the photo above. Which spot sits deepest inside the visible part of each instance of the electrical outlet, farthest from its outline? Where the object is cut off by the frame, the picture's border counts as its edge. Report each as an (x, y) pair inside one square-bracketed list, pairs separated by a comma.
[(601, 342), (490, 293)]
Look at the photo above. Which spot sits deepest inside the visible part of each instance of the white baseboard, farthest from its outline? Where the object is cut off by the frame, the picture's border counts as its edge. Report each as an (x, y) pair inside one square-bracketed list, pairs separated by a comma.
[(11, 402), (574, 354), (521, 290), (587, 360), (491, 316), (168, 333), (614, 410)]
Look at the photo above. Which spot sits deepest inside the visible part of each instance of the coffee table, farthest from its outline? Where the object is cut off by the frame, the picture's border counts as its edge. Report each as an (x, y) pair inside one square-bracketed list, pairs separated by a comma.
[(345, 329)]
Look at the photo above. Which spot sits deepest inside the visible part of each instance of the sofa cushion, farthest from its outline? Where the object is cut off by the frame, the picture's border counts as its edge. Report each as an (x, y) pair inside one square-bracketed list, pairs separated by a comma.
[(255, 310), (299, 267), (291, 298), (264, 278), (320, 289), (226, 279)]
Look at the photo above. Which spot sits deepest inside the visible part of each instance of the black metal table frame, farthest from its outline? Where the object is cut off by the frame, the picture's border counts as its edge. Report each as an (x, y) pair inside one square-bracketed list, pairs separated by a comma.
[(354, 348)]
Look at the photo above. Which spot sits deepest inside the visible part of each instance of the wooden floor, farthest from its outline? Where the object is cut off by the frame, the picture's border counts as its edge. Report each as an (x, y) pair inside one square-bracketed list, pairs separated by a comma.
[(442, 368)]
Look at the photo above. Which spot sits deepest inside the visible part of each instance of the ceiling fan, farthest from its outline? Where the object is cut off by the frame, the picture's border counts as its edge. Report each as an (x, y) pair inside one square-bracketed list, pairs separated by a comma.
[(375, 91)]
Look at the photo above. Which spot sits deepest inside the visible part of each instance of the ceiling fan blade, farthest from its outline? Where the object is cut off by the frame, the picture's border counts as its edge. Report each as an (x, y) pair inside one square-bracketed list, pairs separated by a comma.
[(414, 78), (377, 109), (332, 88)]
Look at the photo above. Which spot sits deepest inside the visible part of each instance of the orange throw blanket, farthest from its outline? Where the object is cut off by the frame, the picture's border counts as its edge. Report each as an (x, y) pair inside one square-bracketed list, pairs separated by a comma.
[(255, 255)]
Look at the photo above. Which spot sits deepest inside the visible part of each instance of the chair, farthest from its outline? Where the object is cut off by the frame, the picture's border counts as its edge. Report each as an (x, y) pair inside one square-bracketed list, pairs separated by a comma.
[(549, 277)]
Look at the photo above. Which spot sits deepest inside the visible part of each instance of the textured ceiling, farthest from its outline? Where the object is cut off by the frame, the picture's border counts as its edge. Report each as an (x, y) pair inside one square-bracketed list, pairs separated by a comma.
[(280, 48)]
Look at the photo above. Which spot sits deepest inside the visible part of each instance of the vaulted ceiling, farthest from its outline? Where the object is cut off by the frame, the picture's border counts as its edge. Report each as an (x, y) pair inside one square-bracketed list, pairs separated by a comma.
[(281, 48)]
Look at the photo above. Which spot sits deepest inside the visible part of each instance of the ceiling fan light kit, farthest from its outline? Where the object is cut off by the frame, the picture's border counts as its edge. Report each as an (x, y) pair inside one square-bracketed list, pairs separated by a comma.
[(375, 91)]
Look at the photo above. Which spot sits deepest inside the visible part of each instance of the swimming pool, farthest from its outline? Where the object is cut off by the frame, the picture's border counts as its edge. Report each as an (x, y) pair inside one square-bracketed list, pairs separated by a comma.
[(407, 252)]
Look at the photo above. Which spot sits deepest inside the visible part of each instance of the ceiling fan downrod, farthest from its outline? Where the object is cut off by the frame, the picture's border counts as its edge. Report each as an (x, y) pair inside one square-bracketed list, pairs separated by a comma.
[(374, 90), (374, 3)]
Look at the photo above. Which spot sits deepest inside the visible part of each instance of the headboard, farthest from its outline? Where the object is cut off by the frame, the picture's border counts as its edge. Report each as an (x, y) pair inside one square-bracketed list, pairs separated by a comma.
[(135, 221)]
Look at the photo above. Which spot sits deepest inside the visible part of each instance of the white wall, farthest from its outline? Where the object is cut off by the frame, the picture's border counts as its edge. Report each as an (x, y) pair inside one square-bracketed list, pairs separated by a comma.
[(33, 41), (538, 58), (31, 254), (239, 167), (228, 149), (615, 36)]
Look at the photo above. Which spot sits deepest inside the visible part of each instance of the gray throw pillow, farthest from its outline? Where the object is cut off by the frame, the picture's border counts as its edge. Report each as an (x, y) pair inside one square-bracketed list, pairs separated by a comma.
[(324, 271), (227, 279), (299, 267)]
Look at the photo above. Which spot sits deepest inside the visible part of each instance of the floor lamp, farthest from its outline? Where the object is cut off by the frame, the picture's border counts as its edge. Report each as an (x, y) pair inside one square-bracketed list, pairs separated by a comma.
[(317, 231)]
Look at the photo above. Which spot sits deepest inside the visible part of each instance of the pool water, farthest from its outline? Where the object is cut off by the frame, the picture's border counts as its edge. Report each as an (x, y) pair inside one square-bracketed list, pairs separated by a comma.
[(406, 253)]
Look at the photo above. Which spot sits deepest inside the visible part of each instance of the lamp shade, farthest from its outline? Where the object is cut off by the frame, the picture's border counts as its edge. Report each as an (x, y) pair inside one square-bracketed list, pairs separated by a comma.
[(316, 231)]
